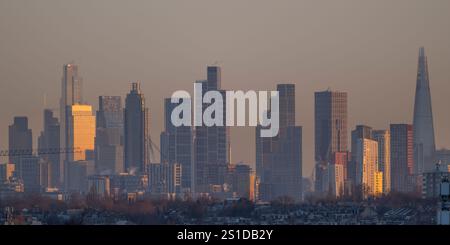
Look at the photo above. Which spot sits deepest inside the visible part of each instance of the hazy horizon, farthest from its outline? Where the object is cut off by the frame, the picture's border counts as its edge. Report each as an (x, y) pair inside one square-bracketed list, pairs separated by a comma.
[(367, 48)]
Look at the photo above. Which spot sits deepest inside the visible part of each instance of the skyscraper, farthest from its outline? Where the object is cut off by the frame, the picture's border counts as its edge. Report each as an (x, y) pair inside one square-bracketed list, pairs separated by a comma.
[(279, 158), (211, 144), (402, 159), (20, 138), (383, 137), (367, 174), (176, 145), (330, 132), (109, 136), (71, 93), (29, 170), (424, 145), (360, 132), (336, 179), (135, 131), (81, 129), (49, 139)]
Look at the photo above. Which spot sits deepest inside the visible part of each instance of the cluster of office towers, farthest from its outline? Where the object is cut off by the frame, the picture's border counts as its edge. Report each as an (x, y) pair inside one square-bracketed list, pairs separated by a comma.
[(115, 144), (377, 161), (81, 152)]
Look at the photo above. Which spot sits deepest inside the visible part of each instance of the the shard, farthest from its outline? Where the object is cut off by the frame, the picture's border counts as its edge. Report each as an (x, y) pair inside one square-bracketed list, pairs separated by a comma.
[(423, 130)]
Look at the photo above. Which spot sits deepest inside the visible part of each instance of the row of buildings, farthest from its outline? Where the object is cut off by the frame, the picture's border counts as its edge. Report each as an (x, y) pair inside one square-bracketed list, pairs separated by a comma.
[(114, 146), (376, 162), (110, 153)]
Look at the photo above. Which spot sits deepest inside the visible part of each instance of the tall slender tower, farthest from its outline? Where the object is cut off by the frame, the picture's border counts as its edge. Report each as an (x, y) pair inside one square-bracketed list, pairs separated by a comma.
[(49, 139), (279, 158), (211, 144), (424, 145), (135, 131), (177, 145), (402, 159), (71, 94), (330, 133), (109, 135)]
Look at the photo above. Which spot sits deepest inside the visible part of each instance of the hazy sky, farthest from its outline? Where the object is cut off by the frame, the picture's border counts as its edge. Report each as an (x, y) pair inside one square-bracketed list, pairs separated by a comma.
[(367, 48)]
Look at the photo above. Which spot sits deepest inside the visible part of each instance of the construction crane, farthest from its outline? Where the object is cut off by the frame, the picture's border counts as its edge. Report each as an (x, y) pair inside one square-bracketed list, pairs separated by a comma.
[(151, 149), (32, 152)]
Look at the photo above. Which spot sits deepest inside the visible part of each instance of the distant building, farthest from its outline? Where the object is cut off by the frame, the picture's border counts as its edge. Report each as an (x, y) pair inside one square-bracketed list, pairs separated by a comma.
[(330, 133), (78, 172), (165, 178), (177, 146), (360, 132), (423, 128), (6, 172), (29, 170), (242, 178), (109, 136), (136, 131), (81, 131), (71, 94), (99, 186), (336, 178), (48, 140), (126, 183), (367, 174), (20, 138), (402, 157), (383, 137), (431, 181), (443, 156), (279, 158), (211, 144)]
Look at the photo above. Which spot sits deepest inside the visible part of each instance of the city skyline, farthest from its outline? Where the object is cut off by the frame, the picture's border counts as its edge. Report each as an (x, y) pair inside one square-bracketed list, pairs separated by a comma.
[(252, 164), (359, 77)]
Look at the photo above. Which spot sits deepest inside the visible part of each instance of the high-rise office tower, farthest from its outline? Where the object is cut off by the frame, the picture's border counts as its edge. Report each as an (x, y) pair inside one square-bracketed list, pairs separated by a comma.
[(424, 145), (336, 174), (176, 145), (71, 93), (20, 138), (383, 137), (360, 132), (367, 174), (81, 137), (81, 131), (330, 132), (279, 158), (136, 135), (402, 157), (109, 136), (49, 139), (31, 170), (211, 144)]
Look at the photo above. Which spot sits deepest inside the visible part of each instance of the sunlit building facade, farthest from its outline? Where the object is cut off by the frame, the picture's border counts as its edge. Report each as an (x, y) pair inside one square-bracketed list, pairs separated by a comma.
[(367, 167), (81, 135), (383, 137)]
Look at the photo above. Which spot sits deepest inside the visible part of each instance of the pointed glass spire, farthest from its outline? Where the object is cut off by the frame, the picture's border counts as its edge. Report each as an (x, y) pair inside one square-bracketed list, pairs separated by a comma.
[(424, 144)]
